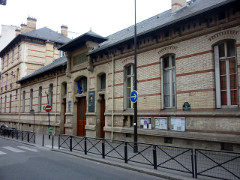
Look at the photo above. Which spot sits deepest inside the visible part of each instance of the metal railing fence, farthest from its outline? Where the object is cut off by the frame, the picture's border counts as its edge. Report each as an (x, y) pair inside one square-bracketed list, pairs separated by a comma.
[(20, 135)]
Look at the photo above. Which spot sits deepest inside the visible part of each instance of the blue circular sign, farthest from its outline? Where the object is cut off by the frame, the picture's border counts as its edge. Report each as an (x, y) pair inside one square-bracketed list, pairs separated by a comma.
[(134, 96)]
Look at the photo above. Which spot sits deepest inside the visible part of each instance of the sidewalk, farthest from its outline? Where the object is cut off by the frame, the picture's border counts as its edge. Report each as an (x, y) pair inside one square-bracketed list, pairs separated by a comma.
[(44, 141)]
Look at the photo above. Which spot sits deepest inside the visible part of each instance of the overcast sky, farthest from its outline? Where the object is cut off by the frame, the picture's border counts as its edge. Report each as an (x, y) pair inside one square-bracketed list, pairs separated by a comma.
[(104, 17)]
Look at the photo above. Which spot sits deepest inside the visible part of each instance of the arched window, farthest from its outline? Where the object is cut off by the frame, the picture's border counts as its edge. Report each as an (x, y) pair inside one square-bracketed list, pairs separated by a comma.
[(168, 81), (31, 99), (23, 101), (82, 85), (10, 103), (226, 74), (40, 99), (128, 85)]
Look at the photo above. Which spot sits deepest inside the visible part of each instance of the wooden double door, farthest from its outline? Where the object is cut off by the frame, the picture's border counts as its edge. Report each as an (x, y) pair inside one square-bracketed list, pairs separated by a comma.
[(81, 116)]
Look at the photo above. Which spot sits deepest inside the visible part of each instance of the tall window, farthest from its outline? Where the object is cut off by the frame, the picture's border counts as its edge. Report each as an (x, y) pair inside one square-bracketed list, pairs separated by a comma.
[(10, 103), (11, 80), (129, 85), (5, 103), (12, 55), (1, 105), (18, 52), (168, 82), (7, 59), (102, 82), (3, 62), (40, 99), (226, 74), (51, 94), (31, 99), (1, 83), (23, 101), (82, 85), (61, 53), (6, 81)]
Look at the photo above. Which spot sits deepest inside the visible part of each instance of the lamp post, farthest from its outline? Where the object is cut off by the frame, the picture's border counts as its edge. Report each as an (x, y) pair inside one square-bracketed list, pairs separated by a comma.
[(47, 93), (135, 81)]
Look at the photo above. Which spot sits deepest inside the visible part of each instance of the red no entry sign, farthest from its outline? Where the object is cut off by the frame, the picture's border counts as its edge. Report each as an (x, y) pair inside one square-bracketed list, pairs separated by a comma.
[(48, 108)]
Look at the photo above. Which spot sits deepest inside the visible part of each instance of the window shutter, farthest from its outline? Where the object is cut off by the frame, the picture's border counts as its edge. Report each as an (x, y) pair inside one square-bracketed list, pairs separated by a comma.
[(162, 94), (217, 77)]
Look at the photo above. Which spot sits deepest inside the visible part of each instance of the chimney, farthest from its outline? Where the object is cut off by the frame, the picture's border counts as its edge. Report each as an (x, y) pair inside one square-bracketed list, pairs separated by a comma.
[(178, 4), (64, 30), (23, 28), (31, 24), (18, 31)]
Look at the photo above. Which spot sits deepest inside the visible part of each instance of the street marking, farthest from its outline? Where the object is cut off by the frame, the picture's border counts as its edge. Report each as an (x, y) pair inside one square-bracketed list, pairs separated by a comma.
[(2, 152), (13, 149), (27, 148)]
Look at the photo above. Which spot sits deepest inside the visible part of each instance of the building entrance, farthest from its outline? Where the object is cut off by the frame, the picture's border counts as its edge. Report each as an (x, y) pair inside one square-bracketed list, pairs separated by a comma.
[(81, 116)]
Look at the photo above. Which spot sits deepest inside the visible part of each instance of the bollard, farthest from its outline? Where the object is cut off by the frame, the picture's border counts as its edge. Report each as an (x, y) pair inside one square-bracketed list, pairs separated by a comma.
[(85, 145), (52, 141), (28, 136), (103, 148), (125, 153), (154, 157), (70, 143), (43, 140)]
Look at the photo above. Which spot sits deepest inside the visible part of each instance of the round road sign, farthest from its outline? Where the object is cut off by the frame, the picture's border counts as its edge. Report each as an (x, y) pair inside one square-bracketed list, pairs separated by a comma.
[(48, 108), (134, 96)]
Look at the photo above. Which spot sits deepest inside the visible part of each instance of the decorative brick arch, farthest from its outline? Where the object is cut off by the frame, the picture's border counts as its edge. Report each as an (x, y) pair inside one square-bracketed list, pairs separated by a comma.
[(223, 35), (167, 50)]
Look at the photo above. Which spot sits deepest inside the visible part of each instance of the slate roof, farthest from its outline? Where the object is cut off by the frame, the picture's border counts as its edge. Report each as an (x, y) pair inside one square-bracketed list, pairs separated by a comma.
[(90, 35), (42, 34), (193, 8), (56, 64)]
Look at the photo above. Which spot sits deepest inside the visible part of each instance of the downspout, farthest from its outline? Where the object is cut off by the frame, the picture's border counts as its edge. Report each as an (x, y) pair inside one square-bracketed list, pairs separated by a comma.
[(113, 65), (56, 99)]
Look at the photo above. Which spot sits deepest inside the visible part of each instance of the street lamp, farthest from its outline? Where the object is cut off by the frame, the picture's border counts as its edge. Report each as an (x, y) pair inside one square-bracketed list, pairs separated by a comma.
[(47, 93)]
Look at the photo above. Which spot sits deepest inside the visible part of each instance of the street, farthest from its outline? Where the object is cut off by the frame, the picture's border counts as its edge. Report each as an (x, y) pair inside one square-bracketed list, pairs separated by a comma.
[(21, 161)]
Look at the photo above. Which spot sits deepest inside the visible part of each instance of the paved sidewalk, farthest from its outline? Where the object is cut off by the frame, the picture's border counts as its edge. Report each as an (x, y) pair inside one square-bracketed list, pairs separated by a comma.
[(44, 141)]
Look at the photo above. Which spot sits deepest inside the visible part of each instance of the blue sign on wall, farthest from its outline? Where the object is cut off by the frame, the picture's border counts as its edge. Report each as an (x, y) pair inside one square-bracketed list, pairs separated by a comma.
[(69, 106), (134, 96)]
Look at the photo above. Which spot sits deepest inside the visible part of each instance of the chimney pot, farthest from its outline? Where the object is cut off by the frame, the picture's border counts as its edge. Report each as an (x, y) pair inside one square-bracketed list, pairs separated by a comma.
[(64, 30), (178, 4)]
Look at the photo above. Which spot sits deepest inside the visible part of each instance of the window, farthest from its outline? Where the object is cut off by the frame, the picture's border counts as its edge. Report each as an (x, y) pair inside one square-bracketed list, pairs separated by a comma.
[(5, 103), (82, 85), (129, 85), (10, 103), (79, 59), (64, 89), (31, 99), (6, 81), (7, 59), (18, 51), (11, 80), (12, 55), (1, 83), (61, 53), (40, 99), (168, 82), (102, 82), (1, 105), (226, 74), (51, 94), (17, 74), (23, 101), (3, 62)]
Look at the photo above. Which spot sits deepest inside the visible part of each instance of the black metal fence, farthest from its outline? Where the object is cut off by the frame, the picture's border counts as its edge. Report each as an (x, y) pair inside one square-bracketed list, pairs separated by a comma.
[(217, 164), (169, 157), (20, 135)]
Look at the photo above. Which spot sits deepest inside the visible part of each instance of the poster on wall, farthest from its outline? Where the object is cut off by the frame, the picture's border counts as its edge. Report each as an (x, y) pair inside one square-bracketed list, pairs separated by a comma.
[(178, 123), (91, 101), (145, 123), (161, 123)]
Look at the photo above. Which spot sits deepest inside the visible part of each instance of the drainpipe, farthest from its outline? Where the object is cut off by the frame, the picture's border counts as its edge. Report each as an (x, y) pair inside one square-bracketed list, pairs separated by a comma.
[(112, 94)]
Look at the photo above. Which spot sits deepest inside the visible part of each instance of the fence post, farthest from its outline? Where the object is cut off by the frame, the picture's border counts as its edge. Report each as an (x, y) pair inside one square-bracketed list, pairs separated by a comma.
[(22, 135), (28, 136), (193, 175), (195, 160), (43, 140), (70, 143), (103, 148), (85, 145), (155, 156), (59, 141), (125, 153), (52, 141)]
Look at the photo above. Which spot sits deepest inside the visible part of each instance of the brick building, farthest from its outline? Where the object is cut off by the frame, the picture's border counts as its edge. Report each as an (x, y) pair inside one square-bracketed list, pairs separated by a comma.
[(188, 80)]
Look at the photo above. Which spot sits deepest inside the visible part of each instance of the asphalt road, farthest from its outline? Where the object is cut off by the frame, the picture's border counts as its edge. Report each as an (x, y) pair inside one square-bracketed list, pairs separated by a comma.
[(23, 162)]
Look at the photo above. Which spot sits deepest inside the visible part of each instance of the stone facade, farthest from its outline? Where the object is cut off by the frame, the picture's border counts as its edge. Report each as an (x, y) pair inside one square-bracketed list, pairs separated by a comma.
[(192, 43)]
